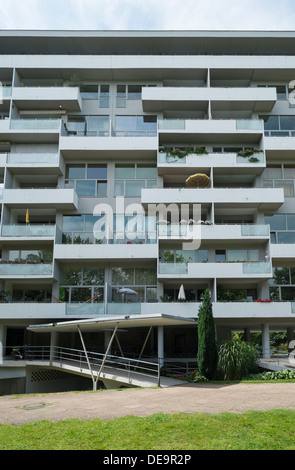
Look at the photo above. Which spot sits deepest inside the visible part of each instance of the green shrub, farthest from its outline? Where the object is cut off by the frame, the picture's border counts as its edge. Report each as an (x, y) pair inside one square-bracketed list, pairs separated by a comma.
[(237, 359), (285, 374)]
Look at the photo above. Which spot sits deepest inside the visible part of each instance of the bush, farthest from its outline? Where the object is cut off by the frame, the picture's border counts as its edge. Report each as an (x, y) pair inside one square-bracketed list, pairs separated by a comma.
[(285, 374), (237, 359)]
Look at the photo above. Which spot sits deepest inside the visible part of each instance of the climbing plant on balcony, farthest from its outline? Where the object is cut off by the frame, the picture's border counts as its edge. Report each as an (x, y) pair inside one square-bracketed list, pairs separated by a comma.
[(207, 356)]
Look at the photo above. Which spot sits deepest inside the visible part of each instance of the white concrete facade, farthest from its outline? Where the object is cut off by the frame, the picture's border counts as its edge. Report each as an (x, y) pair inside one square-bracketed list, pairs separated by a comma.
[(81, 129)]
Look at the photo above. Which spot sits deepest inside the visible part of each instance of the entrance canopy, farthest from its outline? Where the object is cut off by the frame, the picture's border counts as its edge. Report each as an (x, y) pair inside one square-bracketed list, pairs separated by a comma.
[(109, 322)]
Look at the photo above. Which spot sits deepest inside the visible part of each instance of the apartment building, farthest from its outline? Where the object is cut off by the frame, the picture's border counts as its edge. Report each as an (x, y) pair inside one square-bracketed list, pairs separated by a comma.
[(98, 126)]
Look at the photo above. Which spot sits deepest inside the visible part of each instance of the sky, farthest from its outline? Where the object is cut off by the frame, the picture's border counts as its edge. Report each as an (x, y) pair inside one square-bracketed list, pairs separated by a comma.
[(148, 15)]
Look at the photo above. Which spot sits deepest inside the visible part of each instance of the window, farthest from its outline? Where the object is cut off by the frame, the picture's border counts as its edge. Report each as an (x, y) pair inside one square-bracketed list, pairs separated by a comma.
[(131, 178), (136, 126), (79, 229), (82, 285), (282, 285), (279, 125), (127, 92), (282, 228), (88, 125), (280, 176), (89, 92), (89, 180), (141, 281)]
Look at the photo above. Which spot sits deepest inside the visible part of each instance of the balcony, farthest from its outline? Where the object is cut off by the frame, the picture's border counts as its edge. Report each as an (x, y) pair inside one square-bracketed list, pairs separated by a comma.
[(224, 310), (216, 232), (161, 99), (106, 252), (30, 130), (253, 311), (249, 131), (18, 162), (20, 270), (29, 231), (51, 98), (264, 198), (41, 198), (234, 270), (111, 146), (172, 164)]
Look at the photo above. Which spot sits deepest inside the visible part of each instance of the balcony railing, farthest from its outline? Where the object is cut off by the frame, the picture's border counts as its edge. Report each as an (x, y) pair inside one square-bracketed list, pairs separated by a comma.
[(89, 238), (254, 230), (35, 124), (28, 230), (257, 268), (249, 124), (25, 269)]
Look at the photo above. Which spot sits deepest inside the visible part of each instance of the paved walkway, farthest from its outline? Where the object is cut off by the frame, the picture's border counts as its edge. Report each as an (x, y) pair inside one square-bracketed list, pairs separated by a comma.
[(109, 404)]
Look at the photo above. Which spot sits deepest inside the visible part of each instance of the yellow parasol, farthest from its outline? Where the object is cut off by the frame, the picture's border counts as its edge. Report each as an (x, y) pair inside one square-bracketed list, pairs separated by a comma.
[(198, 180), (27, 217)]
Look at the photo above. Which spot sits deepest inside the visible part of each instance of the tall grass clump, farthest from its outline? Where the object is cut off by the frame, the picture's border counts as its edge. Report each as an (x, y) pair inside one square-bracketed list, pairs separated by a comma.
[(237, 359)]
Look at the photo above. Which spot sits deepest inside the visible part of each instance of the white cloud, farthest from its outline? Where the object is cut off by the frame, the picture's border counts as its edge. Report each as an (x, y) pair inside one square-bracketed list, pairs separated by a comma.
[(148, 14)]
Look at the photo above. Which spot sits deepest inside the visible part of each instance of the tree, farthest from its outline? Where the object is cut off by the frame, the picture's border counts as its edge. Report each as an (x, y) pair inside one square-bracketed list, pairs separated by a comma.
[(207, 355)]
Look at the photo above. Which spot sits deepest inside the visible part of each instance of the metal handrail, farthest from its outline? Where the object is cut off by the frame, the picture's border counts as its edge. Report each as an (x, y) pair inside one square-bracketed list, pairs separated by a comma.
[(63, 355)]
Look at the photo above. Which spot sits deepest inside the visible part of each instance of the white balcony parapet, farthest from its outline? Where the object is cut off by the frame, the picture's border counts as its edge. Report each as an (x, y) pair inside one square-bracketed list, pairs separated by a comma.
[(28, 231), (25, 269), (63, 198), (232, 270), (166, 98), (256, 196), (49, 97), (215, 232), (211, 125), (35, 124), (31, 158)]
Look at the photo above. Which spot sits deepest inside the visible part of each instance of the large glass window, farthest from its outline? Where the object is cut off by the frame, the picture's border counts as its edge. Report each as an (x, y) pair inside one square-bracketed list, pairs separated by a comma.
[(89, 92), (88, 125), (280, 176), (82, 285), (282, 228), (89, 180), (131, 178), (282, 285), (136, 126), (79, 229), (279, 125), (134, 284)]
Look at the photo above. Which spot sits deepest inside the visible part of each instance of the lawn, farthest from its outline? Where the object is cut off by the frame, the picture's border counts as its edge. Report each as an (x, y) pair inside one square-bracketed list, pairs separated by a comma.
[(253, 430)]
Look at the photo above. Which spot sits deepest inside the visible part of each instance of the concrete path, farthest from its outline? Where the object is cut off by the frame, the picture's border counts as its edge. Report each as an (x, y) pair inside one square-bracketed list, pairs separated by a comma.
[(109, 404)]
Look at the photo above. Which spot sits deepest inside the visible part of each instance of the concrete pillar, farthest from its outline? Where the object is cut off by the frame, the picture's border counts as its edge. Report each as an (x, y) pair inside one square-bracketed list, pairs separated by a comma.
[(161, 345), (53, 343), (3, 330), (265, 341), (290, 337), (247, 336)]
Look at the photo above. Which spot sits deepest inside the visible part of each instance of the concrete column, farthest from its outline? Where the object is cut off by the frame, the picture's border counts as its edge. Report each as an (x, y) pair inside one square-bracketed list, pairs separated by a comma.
[(247, 336), (265, 341), (53, 343), (290, 337), (161, 345), (3, 330)]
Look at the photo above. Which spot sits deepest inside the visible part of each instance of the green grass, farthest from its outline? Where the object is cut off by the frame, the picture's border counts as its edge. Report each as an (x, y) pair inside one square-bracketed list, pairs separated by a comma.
[(253, 430)]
